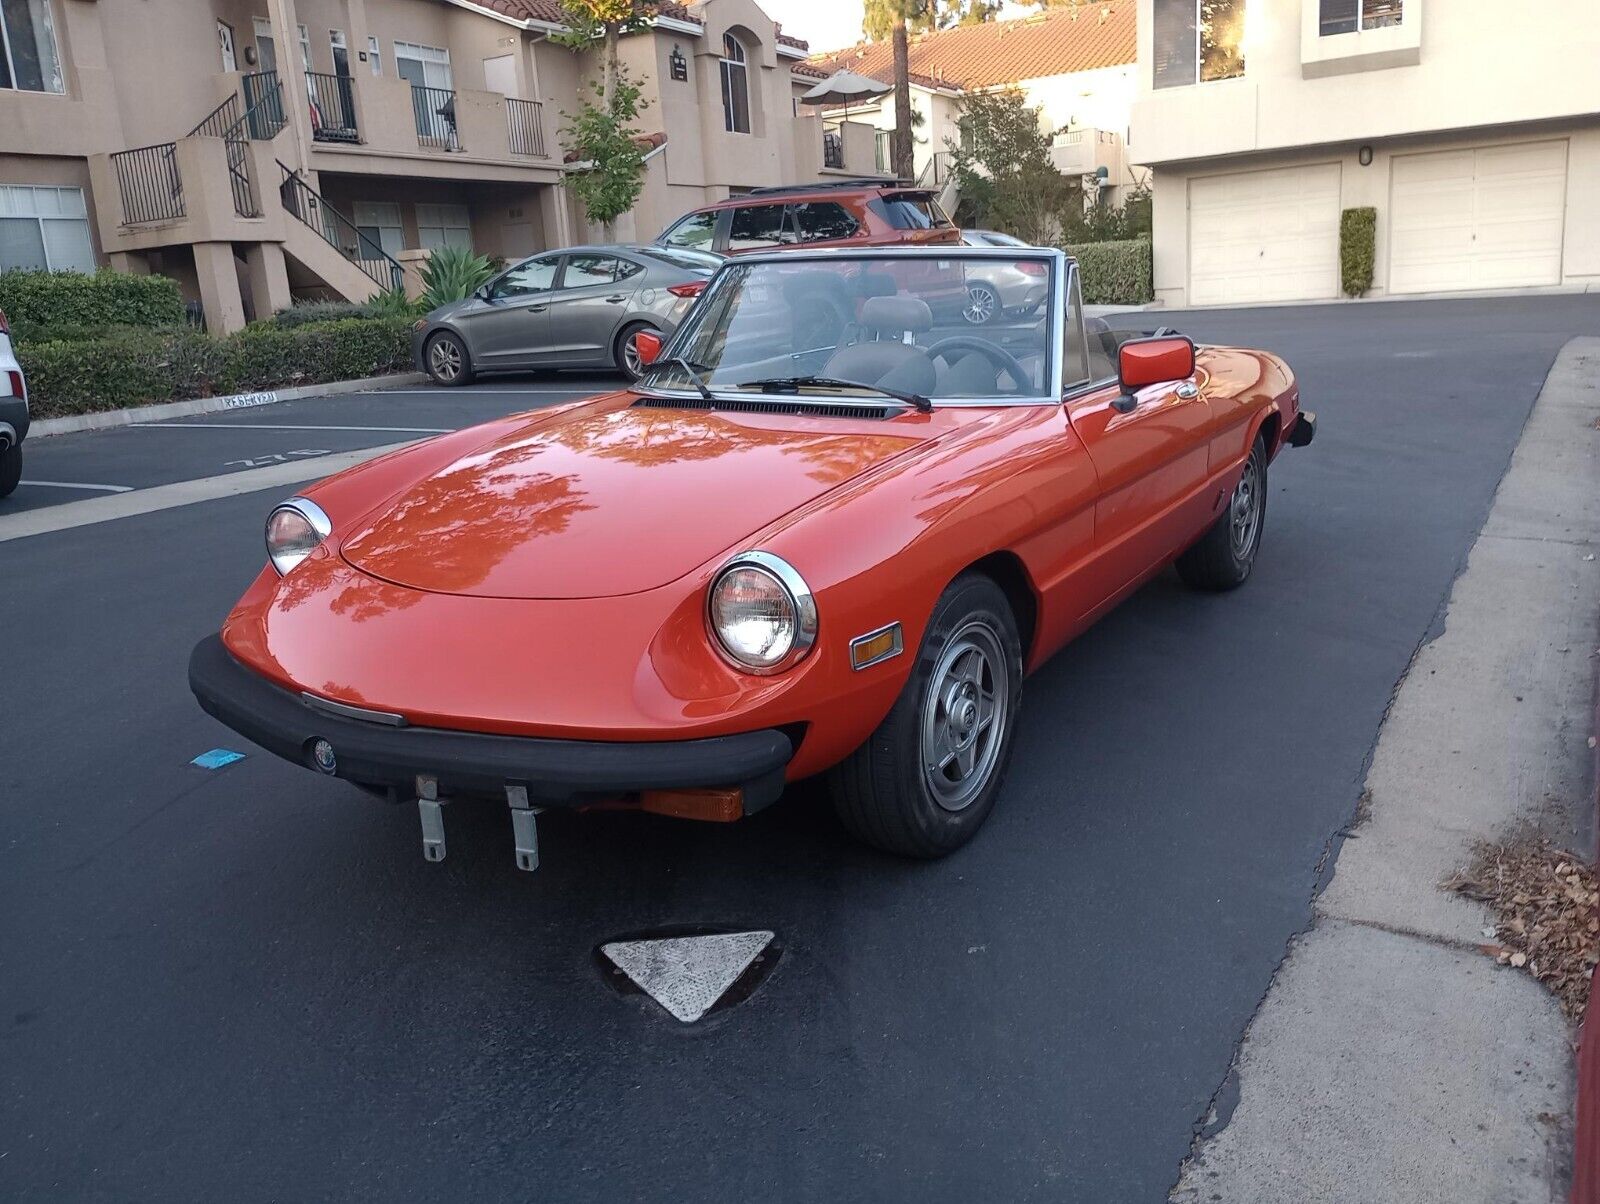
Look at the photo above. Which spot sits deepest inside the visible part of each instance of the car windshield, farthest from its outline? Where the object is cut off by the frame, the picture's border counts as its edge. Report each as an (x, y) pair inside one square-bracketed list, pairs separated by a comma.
[(941, 327)]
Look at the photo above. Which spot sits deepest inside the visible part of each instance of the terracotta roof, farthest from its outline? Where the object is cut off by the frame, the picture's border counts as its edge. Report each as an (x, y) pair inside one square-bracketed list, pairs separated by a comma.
[(810, 70), (1095, 33), (550, 11)]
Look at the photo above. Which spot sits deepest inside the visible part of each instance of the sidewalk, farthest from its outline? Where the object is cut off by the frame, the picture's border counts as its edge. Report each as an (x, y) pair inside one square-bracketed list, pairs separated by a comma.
[(1391, 1060)]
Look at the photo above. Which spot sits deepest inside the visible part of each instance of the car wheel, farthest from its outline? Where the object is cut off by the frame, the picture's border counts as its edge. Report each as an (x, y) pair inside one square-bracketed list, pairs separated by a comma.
[(982, 304), (10, 469), (927, 778), (446, 359), (1223, 557), (626, 352)]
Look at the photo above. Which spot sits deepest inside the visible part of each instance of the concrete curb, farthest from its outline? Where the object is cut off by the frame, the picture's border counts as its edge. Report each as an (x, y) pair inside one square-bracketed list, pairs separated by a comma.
[(106, 419)]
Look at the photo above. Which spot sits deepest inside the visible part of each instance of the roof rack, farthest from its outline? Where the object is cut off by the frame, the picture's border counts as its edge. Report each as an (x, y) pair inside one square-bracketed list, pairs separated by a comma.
[(823, 186)]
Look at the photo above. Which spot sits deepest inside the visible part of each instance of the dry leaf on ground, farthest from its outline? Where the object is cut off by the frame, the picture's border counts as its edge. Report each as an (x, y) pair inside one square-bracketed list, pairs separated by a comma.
[(1544, 900)]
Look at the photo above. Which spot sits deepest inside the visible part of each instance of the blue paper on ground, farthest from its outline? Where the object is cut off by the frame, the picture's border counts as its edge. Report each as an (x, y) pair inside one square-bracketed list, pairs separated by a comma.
[(217, 758)]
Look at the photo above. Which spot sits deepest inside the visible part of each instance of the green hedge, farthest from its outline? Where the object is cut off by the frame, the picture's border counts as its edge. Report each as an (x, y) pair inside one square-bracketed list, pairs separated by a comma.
[(1358, 249), (146, 367), (44, 299), (1115, 273)]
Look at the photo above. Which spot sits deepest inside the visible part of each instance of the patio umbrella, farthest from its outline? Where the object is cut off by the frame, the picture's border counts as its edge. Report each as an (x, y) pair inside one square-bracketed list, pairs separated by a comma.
[(843, 88)]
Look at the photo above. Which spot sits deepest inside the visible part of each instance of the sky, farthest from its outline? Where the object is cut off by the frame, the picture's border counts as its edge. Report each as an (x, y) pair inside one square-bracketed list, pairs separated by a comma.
[(829, 24)]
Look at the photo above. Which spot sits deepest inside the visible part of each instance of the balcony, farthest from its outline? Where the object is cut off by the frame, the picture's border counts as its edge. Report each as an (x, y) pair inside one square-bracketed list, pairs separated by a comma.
[(1091, 152), (825, 147)]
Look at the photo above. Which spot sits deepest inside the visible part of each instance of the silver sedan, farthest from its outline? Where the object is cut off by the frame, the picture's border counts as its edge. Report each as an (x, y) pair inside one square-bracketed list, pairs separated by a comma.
[(994, 292), (579, 307)]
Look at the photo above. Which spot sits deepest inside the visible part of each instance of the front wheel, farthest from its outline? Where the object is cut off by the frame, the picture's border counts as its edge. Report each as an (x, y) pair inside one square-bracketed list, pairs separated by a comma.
[(1226, 552), (10, 469), (927, 778), (445, 356)]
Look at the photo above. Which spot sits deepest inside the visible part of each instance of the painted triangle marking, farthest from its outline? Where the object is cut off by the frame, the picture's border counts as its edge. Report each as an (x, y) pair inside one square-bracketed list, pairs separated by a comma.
[(688, 974)]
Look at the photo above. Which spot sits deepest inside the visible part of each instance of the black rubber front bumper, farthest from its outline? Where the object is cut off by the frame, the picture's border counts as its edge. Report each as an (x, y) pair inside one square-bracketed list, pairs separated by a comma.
[(556, 773)]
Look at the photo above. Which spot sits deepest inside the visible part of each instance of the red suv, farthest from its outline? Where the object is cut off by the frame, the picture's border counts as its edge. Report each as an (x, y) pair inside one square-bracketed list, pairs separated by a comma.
[(848, 213)]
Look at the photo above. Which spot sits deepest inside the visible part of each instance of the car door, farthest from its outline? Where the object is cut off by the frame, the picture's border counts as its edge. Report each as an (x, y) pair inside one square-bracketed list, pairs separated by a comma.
[(511, 326), (592, 297), (1149, 449)]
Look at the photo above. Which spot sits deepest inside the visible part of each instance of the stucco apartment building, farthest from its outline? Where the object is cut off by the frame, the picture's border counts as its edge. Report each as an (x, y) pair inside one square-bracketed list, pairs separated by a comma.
[(262, 149), (1075, 63), (1471, 126)]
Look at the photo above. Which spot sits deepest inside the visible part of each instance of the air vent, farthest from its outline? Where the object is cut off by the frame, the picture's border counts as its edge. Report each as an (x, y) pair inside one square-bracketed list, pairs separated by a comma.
[(775, 406)]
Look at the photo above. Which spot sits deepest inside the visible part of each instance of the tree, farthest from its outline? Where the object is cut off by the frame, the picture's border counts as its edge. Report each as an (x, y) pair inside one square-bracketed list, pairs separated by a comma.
[(878, 17), (601, 133), (1003, 169)]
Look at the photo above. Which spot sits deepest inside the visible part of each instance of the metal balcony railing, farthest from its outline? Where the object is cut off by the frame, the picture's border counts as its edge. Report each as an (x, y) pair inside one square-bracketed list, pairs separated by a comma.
[(263, 106), (333, 107), (338, 231), (149, 183), (228, 123), (435, 112), (525, 126)]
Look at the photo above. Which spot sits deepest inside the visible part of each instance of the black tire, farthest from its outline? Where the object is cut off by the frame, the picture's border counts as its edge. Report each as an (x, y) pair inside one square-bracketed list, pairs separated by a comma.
[(983, 304), (1223, 557), (10, 469), (884, 792), (619, 350), (446, 359)]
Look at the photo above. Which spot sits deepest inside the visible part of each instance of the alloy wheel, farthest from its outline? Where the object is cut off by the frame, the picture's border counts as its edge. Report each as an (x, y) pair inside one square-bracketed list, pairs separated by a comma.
[(981, 304), (444, 357), (1244, 510), (632, 363), (964, 716)]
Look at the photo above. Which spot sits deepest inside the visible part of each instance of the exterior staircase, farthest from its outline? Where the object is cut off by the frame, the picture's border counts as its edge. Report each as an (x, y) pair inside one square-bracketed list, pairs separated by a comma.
[(328, 245)]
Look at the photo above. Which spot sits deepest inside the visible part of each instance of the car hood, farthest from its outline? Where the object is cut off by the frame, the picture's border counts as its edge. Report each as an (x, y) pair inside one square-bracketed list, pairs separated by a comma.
[(609, 502)]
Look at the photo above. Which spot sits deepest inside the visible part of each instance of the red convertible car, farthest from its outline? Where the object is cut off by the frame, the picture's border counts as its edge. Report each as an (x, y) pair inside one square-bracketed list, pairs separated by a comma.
[(828, 531)]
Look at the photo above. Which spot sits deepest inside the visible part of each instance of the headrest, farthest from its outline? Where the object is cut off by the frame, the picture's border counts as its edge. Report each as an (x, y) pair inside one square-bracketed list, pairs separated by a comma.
[(875, 284), (896, 315)]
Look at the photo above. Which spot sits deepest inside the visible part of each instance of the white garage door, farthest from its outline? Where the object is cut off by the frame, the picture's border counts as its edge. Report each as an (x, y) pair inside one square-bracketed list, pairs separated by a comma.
[(1264, 236), (1485, 218)]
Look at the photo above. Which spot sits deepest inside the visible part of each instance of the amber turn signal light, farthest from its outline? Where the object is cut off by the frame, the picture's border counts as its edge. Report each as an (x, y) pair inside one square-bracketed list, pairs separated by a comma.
[(718, 806), (876, 646)]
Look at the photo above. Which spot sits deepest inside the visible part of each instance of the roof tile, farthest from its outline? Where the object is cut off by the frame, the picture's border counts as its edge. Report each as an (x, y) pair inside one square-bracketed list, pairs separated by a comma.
[(1083, 37)]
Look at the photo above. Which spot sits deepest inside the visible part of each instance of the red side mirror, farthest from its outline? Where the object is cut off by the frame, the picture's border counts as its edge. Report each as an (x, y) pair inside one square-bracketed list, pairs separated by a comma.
[(648, 343), (1142, 362)]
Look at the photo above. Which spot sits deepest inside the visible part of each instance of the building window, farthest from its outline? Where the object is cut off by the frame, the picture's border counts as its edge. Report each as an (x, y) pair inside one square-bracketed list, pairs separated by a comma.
[(378, 223), (884, 155), (735, 87), (30, 62), (1198, 41), (444, 226), (1352, 16), (374, 55), (44, 229)]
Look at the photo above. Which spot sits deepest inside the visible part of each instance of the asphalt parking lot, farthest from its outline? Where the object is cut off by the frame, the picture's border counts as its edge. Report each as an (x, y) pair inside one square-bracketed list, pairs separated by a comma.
[(247, 984)]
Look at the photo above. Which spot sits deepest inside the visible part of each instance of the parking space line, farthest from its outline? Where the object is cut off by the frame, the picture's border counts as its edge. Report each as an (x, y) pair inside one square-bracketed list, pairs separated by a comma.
[(276, 426), (47, 519), (79, 485)]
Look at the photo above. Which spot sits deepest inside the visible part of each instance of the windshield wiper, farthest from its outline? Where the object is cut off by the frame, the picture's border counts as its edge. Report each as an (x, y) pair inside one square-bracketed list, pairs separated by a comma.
[(689, 370), (771, 383)]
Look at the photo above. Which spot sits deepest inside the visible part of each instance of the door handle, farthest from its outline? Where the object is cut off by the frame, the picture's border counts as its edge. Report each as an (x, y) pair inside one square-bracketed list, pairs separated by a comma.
[(618, 299), (1188, 390), (537, 309)]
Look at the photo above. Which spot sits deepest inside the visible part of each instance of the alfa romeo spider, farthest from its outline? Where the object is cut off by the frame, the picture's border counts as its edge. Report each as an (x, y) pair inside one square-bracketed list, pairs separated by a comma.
[(831, 530)]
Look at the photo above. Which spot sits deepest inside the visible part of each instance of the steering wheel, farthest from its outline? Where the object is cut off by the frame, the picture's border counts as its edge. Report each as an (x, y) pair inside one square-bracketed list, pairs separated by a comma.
[(997, 356)]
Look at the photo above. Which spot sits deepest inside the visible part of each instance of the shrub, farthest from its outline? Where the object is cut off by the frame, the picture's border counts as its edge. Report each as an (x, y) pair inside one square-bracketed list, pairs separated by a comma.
[(43, 299), (131, 368), (1358, 247), (31, 333), (317, 311), (1115, 273), (451, 274)]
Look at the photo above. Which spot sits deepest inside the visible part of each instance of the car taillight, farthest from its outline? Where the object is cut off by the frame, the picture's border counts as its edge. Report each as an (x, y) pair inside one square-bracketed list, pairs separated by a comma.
[(692, 289), (14, 379), (1032, 267)]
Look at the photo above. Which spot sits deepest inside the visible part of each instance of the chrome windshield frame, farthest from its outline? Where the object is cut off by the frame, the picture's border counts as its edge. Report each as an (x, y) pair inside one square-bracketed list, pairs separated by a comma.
[(1062, 269)]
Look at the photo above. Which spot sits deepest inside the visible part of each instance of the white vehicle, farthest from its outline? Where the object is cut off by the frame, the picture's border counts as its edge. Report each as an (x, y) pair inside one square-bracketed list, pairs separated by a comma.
[(1005, 291), (13, 412)]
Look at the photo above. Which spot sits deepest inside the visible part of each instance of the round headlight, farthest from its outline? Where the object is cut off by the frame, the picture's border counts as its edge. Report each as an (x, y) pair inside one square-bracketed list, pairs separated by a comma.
[(294, 530), (762, 613)]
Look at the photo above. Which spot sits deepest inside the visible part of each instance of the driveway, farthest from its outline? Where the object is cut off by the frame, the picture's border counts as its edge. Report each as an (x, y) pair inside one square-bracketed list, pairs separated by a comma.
[(247, 984)]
